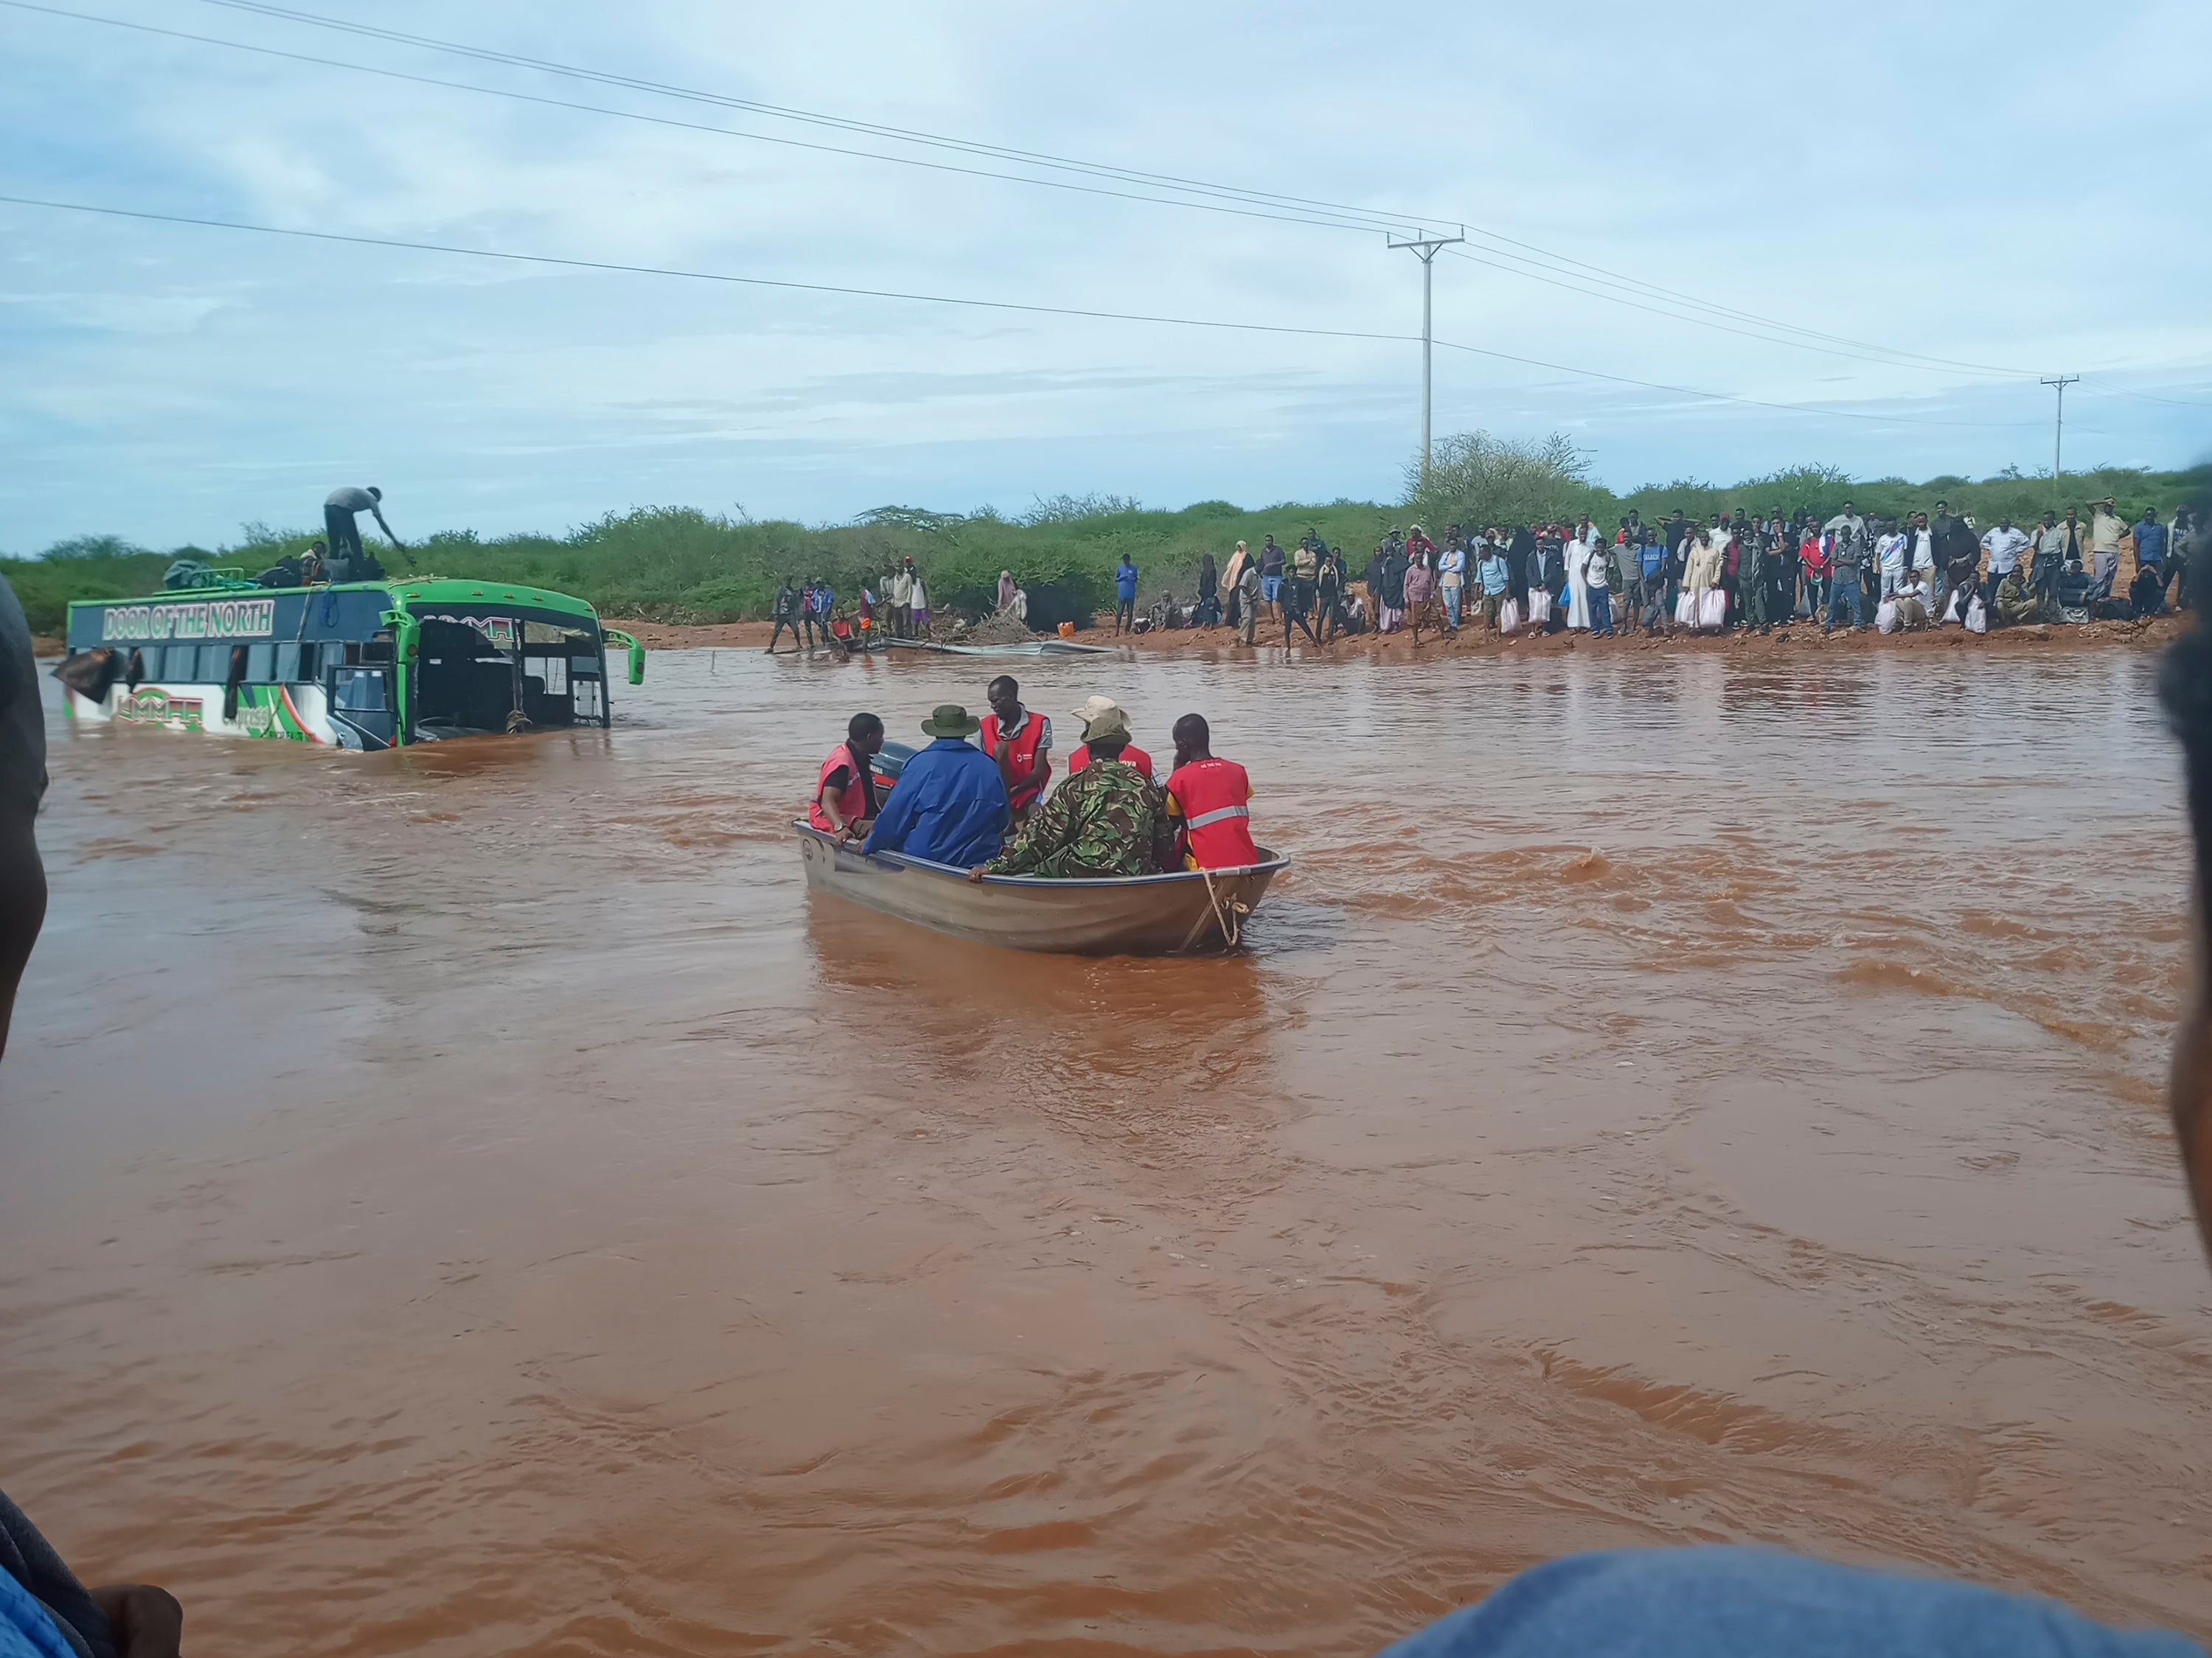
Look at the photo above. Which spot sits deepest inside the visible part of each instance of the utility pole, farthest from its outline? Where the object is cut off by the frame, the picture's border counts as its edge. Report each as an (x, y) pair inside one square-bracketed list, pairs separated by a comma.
[(1424, 248), (2058, 433)]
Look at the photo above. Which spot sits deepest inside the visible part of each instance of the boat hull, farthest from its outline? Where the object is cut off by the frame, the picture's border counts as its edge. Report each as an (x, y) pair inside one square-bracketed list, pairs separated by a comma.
[(1142, 915)]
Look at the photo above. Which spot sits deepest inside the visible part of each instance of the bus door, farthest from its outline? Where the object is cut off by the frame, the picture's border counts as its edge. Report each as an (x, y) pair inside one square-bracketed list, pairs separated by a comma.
[(360, 701)]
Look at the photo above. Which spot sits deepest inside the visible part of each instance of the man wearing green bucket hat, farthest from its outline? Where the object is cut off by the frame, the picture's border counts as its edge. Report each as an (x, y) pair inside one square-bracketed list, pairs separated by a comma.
[(950, 805)]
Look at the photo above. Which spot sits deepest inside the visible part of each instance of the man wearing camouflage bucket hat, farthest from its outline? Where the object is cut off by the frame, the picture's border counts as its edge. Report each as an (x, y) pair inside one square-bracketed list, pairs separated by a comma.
[(950, 803), (1093, 707), (1107, 819)]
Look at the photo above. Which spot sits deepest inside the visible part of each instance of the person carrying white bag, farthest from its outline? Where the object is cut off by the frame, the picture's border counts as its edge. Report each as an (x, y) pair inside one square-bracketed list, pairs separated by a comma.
[(1978, 617), (1509, 616)]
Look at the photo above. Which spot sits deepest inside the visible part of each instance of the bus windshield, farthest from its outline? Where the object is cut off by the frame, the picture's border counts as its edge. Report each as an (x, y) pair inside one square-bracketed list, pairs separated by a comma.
[(479, 668)]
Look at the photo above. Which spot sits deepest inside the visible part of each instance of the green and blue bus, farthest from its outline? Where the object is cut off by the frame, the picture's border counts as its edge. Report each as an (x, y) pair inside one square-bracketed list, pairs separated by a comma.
[(359, 664)]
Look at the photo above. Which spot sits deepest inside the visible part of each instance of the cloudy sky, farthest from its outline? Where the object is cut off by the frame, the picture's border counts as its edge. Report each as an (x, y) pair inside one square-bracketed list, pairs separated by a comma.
[(1893, 218)]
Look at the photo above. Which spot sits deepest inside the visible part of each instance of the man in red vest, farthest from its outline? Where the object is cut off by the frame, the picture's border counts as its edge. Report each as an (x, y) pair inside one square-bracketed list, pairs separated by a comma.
[(845, 794), (1020, 741), (1097, 707), (1210, 800)]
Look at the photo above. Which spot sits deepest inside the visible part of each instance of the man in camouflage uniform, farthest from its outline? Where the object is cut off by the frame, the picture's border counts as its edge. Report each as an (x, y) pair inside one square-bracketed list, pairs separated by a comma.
[(1105, 820)]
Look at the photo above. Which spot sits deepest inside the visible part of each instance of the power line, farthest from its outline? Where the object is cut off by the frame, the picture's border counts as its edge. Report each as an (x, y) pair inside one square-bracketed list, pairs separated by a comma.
[(660, 120), (613, 266), (1730, 397), (1536, 264), (785, 113), (696, 276), (1372, 219), (1615, 278), (1725, 328), (2112, 390)]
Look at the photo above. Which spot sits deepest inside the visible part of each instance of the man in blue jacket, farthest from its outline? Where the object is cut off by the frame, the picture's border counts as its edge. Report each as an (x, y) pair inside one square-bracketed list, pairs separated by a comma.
[(950, 803), (1125, 595)]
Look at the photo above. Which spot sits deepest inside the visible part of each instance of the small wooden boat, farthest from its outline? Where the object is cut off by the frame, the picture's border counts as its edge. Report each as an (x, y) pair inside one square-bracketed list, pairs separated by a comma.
[(1190, 912)]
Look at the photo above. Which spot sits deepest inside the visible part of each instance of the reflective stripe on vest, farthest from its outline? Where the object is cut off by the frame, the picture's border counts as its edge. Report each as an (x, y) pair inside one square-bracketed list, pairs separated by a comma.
[(1214, 795)]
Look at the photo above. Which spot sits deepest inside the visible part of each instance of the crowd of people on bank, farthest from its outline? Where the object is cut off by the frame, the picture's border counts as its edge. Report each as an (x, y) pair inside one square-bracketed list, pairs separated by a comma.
[(994, 810), (1926, 569), (899, 605)]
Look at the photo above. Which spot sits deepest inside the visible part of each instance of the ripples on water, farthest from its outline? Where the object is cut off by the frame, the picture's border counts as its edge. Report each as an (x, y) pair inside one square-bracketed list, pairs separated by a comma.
[(472, 1200)]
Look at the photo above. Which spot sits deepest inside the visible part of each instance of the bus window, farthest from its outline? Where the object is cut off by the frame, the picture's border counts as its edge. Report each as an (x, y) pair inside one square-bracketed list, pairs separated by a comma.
[(286, 670), (214, 664), (311, 663), (260, 664), (361, 690)]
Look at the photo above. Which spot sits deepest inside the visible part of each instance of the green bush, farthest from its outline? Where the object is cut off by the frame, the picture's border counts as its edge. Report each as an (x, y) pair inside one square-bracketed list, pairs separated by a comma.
[(679, 564)]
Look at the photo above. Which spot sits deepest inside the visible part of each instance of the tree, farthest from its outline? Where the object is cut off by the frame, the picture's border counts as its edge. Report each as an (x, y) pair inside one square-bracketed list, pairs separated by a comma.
[(1474, 480)]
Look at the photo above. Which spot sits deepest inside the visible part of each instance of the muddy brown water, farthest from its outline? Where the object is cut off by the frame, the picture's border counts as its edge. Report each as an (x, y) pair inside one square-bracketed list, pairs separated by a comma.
[(472, 1200)]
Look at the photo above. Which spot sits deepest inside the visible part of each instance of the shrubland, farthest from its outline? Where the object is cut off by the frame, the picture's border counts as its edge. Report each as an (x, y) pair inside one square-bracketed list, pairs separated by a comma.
[(680, 564)]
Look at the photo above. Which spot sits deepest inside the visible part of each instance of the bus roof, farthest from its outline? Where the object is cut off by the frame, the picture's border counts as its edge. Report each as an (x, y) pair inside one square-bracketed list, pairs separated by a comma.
[(410, 591), (442, 589)]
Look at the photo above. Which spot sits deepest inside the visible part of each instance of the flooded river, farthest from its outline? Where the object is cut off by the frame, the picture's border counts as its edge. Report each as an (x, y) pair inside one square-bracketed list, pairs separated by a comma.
[(472, 1201)]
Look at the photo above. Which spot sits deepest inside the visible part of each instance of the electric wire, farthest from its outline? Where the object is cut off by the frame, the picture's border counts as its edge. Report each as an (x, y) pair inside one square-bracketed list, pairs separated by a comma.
[(1340, 214), (656, 121), (1084, 312), (1535, 263), (1372, 218)]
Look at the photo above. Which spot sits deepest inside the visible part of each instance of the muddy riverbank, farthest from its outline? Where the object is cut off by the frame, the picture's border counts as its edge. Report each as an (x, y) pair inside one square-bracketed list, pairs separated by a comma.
[(1799, 639)]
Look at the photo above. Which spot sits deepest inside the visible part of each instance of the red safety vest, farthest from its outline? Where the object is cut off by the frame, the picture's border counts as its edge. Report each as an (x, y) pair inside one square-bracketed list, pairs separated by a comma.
[(1211, 797), (855, 799), (1133, 754), (1025, 756)]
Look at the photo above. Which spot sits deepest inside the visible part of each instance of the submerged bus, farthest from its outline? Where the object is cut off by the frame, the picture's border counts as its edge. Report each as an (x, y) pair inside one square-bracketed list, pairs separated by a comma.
[(361, 665)]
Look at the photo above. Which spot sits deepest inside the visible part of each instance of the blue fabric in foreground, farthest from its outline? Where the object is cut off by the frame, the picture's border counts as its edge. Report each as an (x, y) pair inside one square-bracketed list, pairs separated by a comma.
[(1759, 1603), (948, 807), (26, 1631)]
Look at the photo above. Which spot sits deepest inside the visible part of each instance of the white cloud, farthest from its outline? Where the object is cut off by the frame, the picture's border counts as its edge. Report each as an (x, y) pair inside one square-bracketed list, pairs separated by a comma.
[(1934, 180)]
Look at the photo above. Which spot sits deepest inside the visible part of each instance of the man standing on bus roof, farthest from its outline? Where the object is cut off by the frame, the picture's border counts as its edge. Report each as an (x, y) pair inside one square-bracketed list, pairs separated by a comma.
[(344, 534)]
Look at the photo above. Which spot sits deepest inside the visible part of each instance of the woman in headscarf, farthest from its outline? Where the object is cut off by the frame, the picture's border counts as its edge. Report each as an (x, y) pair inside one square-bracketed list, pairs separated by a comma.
[(1005, 590), (1232, 578), (1554, 545), (1422, 605), (1813, 562), (1521, 566), (1391, 607), (1209, 594)]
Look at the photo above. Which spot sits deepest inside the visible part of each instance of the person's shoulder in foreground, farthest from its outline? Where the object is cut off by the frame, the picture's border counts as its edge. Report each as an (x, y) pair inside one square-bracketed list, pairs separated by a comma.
[(1761, 1603)]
